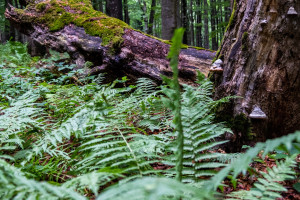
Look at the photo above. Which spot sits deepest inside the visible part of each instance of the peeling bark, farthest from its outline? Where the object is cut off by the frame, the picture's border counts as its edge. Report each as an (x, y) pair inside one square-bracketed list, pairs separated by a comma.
[(261, 55), (138, 55)]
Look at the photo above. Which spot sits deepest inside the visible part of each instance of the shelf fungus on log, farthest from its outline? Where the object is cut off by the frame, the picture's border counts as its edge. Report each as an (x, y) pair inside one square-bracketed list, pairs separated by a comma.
[(217, 66), (292, 12), (257, 113), (112, 46)]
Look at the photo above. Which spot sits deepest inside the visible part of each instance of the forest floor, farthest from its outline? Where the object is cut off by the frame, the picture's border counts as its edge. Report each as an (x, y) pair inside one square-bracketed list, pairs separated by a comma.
[(46, 112)]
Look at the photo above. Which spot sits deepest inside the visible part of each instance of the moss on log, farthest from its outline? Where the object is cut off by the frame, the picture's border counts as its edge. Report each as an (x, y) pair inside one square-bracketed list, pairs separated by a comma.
[(111, 45)]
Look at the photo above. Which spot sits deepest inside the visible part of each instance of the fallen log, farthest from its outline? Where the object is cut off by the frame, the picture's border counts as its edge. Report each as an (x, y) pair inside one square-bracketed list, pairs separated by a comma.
[(112, 46)]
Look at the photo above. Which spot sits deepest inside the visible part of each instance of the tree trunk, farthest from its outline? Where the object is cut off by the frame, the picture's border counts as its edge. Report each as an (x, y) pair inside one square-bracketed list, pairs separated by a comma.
[(213, 17), (199, 24), (168, 18), (110, 44), (261, 55), (114, 8), (184, 21), (206, 32), (151, 17), (101, 5), (126, 13), (192, 36), (143, 7)]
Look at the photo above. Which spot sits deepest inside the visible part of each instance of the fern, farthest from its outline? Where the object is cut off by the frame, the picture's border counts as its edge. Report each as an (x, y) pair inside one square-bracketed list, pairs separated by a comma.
[(174, 101), (115, 145), (193, 122), (92, 181), (200, 133), (241, 164), (23, 116), (14, 185), (154, 188), (268, 187)]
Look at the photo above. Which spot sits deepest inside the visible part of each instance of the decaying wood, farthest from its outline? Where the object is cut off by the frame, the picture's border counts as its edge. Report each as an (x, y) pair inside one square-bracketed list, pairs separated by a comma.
[(261, 55), (139, 55)]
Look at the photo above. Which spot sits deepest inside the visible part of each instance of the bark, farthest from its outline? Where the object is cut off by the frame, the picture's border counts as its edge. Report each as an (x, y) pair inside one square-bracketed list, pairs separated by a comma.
[(114, 8), (184, 21), (135, 54), (192, 36), (261, 59), (168, 18), (126, 13), (151, 17), (206, 32), (199, 23), (213, 17)]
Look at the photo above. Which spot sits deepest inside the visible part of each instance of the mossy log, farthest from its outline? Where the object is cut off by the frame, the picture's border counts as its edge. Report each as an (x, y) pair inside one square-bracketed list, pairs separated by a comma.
[(112, 46), (261, 57)]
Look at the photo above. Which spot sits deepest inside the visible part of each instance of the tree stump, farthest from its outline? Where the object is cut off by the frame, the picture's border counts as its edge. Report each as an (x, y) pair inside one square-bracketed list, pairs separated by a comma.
[(261, 59)]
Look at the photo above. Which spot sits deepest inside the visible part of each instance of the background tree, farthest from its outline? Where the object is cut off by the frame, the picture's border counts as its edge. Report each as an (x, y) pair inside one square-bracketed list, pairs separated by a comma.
[(126, 12), (169, 18), (114, 8), (151, 18)]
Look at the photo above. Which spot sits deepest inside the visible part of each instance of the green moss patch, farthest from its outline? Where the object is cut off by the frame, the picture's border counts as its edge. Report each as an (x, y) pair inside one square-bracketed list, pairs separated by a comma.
[(58, 13)]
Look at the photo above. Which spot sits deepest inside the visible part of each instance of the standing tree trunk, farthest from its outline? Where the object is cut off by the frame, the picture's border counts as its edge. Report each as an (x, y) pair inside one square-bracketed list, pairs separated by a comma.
[(168, 18), (184, 21), (126, 12), (199, 23), (101, 5), (192, 36), (151, 17), (143, 6), (206, 32), (114, 8), (213, 18), (261, 55)]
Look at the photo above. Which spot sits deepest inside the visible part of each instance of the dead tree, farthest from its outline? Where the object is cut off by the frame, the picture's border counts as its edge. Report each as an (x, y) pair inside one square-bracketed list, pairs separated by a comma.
[(261, 59), (110, 44)]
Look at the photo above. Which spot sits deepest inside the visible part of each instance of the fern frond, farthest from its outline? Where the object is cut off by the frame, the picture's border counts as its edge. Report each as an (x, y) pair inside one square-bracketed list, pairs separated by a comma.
[(241, 164), (268, 187), (14, 185), (154, 188), (92, 181)]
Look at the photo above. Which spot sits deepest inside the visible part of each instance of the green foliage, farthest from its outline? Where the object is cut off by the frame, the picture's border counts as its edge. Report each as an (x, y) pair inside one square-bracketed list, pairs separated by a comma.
[(15, 185), (242, 163), (87, 137), (174, 101), (269, 187), (154, 188)]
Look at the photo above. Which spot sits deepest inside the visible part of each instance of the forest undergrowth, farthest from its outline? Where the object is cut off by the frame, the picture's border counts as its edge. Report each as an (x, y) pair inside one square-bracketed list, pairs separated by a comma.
[(66, 136)]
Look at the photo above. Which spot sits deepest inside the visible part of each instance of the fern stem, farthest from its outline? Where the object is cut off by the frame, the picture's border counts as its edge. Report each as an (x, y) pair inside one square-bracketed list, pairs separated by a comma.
[(173, 55), (131, 151)]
